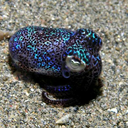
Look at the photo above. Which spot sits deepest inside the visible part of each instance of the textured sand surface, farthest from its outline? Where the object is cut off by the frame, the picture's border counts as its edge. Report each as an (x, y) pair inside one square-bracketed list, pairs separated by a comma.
[(21, 104)]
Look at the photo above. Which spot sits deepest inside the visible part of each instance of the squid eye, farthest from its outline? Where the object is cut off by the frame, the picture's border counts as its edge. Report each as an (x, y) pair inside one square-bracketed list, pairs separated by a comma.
[(75, 64)]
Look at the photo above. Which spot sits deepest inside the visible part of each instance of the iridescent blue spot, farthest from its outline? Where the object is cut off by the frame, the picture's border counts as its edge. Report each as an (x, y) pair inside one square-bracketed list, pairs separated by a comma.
[(66, 37), (15, 39), (40, 59), (34, 49), (47, 66), (29, 47), (58, 68), (93, 35), (48, 58), (34, 42), (39, 65), (13, 49), (18, 46), (55, 43), (66, 89), (52, 33), (98, 57), (50, 50), (100, 41), (43, 63), (21, 38), (50, 63), (35, 56), (69, 86)]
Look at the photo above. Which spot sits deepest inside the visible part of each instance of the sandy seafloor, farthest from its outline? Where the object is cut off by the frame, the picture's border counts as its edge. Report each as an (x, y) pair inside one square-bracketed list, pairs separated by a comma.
[(21, 104)]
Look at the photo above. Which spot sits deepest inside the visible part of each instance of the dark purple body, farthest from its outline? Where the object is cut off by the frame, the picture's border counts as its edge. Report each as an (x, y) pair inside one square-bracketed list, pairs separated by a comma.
[(45, 51)]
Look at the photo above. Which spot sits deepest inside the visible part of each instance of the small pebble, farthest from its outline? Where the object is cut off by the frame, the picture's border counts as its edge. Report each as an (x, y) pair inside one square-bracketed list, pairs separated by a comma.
[(5, 34), (64, 119), (113, 110)]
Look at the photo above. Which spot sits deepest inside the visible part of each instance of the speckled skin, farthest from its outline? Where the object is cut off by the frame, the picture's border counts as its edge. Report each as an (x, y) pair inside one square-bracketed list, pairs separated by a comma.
[(44, 51)]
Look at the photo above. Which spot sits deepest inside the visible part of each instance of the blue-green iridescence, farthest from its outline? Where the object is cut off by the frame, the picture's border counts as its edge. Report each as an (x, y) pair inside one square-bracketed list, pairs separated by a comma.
[(44, 51), (41, 49)]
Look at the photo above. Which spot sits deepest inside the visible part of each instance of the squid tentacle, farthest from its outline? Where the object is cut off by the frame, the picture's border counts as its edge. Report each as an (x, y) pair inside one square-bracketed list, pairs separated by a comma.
[(59, 91), (58, 102)]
